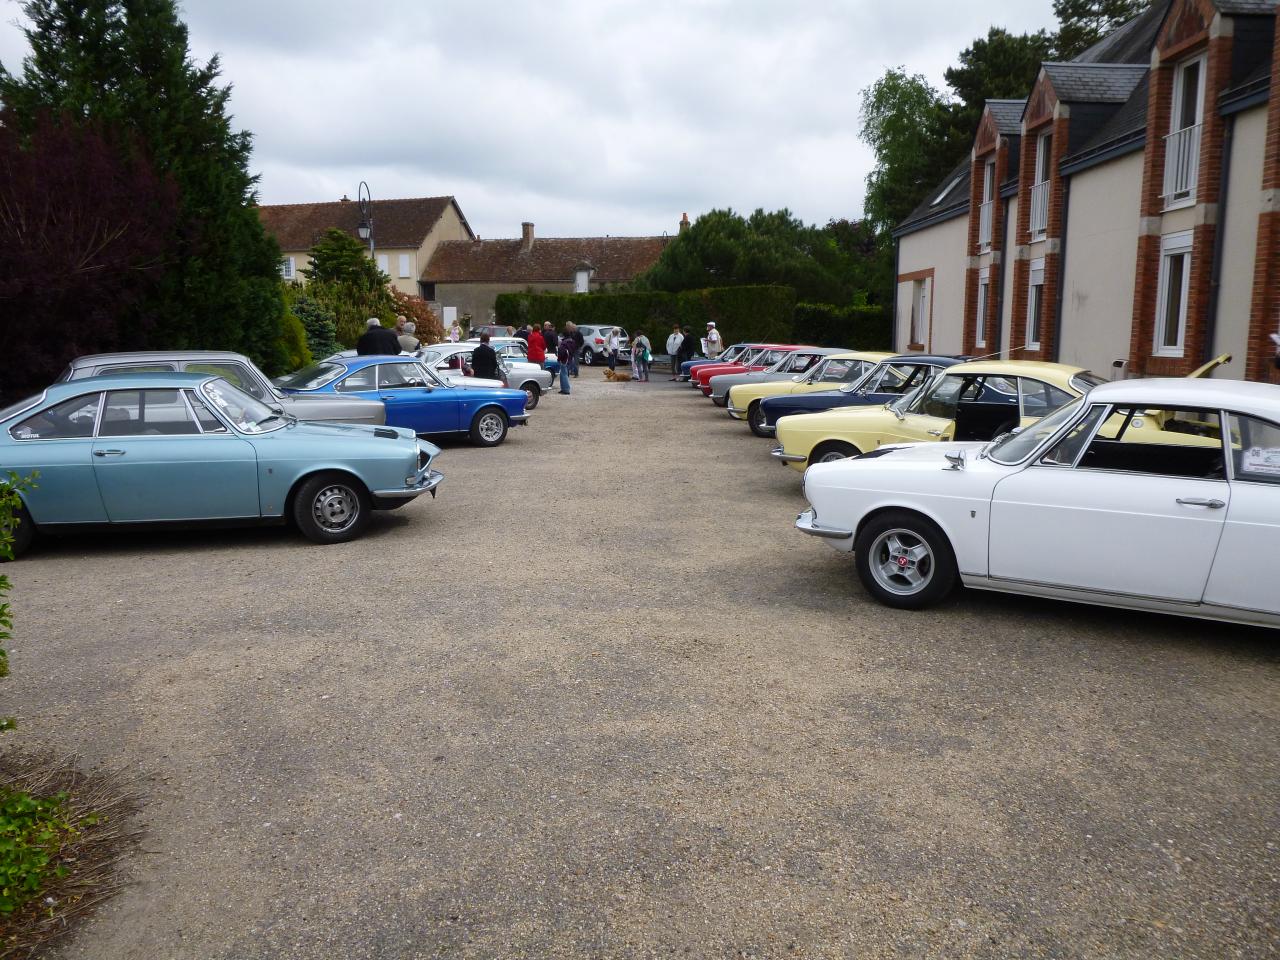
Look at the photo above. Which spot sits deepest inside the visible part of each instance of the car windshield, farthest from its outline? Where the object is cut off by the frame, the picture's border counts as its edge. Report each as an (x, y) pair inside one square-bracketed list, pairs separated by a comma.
[(309, 378), (1014, 447), (245, 413), (1084, 381)]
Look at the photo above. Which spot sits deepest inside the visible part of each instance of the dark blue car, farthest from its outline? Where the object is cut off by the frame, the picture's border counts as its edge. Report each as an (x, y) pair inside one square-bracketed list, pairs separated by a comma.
[(887, 380), (415, 397)]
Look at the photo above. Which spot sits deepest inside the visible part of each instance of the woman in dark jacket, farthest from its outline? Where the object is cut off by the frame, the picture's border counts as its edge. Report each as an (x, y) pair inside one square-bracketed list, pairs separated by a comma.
[(564, 352)]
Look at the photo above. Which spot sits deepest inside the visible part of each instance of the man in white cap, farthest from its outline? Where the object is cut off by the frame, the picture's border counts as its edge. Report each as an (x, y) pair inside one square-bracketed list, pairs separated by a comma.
[(715, 343), (377, 339)]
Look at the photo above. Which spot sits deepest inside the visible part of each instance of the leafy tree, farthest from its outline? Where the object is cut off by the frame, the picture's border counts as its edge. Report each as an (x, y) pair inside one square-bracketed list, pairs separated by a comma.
[(339, 257), (1000, 65), (722, 248), (428, 327), (343, 280), (85, 222), (125, 64), (1082, 23)]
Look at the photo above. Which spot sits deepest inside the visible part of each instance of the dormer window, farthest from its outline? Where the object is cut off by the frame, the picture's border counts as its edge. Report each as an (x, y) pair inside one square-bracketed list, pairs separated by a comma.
[(988, 204), (1040, 186)]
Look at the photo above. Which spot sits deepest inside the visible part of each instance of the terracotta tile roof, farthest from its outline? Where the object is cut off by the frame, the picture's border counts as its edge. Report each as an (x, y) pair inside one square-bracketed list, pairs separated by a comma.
[(396, 223), (550, 259)]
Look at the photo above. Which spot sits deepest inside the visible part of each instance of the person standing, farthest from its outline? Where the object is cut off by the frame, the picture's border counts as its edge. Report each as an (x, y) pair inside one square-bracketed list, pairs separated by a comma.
[(564, 351), (400, 322), (484, 360), (578, 342), (641, 354), (408, 342), (715, 342), (611, 344), (377, 340), (455, 332), (673, 347), (523, 334), (688, 349), (537, 347)]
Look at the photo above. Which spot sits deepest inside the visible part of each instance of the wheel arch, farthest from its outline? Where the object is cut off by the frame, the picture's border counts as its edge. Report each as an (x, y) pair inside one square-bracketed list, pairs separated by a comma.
[(303, 477), (883, 508)]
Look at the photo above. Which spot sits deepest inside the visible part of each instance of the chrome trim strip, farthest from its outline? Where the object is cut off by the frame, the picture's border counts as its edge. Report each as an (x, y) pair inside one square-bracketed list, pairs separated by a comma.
[(807, 523), (428, 483), (781, 454)]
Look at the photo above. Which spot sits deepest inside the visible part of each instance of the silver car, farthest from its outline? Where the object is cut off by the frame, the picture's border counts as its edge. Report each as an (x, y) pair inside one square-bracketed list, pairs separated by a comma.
[(240, 371), (513, 356), (792, 365), (594, 340)]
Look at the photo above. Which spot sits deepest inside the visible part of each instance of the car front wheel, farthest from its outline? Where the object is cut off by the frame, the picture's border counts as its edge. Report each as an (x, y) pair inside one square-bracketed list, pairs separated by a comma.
[(904, 560), (531, 394), (489, 427), (755, 419), (332, 508), (834, 450)]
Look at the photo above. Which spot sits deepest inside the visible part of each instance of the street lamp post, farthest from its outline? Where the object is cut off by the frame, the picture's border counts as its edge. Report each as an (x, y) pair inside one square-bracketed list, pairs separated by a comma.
[(365, 229)]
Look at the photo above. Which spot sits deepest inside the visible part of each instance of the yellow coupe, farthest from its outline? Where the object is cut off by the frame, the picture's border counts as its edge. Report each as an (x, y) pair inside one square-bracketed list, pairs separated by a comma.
[(830, 373), (970, 401)]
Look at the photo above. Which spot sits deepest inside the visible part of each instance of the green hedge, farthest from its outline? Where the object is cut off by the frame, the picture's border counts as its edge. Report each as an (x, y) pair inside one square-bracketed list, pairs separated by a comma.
[(858, 328), (741, 313), (754, 313)]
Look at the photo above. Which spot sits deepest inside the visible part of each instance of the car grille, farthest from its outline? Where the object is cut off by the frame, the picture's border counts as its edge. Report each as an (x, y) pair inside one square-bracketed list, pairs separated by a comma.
[(423, 458)]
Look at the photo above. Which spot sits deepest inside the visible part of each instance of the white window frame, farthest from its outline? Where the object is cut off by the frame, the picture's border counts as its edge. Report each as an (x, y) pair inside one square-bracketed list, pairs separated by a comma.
[(1172, 245), (1043, 163), (1037, 267), (384, 263), (984, 293), (406, 266), (919, 319), (582, 281), (1187, 199), (986, 210), (288, 267)]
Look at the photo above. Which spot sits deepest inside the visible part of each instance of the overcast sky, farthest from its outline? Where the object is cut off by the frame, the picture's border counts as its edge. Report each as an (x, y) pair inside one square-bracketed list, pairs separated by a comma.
[(588, 117)]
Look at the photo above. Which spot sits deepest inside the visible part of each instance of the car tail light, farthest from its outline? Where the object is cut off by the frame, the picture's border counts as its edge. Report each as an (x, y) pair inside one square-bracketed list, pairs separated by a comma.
[(598, 340)]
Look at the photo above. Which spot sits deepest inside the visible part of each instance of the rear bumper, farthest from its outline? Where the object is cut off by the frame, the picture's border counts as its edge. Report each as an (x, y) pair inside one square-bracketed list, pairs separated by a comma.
[(808, 523)]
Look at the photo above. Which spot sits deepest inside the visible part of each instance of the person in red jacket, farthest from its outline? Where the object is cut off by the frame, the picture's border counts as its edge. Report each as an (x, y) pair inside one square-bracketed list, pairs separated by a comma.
[(537, 348)]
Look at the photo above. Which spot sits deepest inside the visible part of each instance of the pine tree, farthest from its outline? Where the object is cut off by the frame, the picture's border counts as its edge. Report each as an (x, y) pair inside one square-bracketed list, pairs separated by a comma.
[(126, 64)]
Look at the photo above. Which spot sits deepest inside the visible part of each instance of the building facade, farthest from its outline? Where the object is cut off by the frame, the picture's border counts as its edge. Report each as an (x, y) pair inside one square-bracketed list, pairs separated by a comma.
[(1125, 216)]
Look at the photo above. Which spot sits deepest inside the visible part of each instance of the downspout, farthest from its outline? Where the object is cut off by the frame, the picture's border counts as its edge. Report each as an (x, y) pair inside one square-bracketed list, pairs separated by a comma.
[(1215, 278), (1062, 271), (1004, 259), (893, 302)]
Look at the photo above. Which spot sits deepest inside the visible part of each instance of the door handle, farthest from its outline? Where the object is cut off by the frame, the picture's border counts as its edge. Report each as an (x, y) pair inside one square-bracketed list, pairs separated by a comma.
[(387, 396), (1201, 502), (936, 433), (108, 453)]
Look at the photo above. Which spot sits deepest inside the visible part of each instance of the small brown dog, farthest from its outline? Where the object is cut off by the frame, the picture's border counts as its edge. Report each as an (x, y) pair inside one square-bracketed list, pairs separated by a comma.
[(617, 376)]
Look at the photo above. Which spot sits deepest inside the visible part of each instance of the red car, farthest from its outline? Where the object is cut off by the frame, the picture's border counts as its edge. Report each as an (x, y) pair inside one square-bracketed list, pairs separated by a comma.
[(761, 359)]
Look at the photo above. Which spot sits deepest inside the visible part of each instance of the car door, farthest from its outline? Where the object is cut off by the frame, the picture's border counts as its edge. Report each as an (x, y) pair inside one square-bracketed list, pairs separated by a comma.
[(57, 445), (1120, 516), (932, 415), (153, 461), (1244, 568), (416, 402)]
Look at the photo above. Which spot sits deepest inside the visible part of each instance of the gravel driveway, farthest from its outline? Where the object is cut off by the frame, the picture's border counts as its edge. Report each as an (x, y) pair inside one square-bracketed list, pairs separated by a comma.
[(601, 700)]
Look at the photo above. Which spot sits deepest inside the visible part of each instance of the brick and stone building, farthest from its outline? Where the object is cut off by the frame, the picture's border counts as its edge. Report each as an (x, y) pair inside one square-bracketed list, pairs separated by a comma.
[(1125, 216)]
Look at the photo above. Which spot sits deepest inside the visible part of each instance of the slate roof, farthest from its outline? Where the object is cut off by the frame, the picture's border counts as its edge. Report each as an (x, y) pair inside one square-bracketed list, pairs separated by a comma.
[(934, 209), (1094, 82), (1247, 8), (1008, 115), (549, 259), (1130, 42), (396, 223)]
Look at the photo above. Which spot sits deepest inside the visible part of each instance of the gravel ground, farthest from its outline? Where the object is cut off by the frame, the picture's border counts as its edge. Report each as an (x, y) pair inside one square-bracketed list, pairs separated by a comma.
[(600, 700)]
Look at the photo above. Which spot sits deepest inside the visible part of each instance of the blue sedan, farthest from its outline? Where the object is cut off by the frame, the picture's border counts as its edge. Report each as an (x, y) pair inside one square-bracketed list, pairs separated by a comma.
[(886, 381), (415, 397), (183, 448)]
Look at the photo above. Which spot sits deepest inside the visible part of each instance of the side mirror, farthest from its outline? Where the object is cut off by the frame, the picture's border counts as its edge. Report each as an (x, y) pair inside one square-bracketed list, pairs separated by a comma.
[(798, 378)]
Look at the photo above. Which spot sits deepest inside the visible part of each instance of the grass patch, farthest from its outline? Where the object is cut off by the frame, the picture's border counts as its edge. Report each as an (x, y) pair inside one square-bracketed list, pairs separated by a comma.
[(63, 834)]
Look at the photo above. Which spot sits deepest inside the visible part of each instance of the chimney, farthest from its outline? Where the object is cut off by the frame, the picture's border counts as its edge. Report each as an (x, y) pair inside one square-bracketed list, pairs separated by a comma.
[(526, 237), (684, 222), (345, 199)]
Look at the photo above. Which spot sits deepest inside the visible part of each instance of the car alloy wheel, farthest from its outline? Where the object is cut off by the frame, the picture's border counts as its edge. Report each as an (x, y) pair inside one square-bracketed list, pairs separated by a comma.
[(588, 358), (901, 562), (531, 395), (491, 427), (755, 419), (336, 508)]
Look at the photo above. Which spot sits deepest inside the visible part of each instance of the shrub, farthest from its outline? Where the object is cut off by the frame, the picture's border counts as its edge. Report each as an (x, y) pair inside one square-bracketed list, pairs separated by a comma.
[(33, 830), (293, 339), (857, 327), (318, 322), (429, 328)]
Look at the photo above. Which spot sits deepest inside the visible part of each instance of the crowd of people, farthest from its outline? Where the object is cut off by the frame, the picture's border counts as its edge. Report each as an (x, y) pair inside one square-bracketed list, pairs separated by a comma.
[(558, 353)]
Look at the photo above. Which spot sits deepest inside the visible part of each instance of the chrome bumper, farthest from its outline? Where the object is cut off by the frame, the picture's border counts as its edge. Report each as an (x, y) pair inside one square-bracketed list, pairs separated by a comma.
[(519, 418), (808, 523), (426, 483), (735, 412), (780, 454)]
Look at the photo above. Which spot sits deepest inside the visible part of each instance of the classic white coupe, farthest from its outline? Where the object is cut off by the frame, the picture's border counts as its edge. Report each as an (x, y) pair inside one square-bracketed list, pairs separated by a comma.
[(1148, 494)]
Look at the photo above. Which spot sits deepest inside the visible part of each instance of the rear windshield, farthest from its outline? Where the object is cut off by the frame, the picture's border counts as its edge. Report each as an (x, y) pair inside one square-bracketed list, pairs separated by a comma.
[(1084, 381), (13, 408), (316, 375)]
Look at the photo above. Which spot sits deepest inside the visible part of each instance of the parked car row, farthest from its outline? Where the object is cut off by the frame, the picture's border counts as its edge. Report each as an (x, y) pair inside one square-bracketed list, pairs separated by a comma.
[(1025, 476), (199, 437)]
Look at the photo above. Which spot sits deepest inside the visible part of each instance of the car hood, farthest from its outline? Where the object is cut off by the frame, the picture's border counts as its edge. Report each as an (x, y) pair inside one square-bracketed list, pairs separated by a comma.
[(904, 452), (328, 429)]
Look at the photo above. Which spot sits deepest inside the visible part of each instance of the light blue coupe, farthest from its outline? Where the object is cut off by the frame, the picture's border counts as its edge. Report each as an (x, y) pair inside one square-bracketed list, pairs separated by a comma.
[(181, 448), (415, 397)]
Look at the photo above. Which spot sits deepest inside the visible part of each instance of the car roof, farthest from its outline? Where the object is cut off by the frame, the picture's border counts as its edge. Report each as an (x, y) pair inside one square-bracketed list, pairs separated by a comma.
[(937, 359), (67, 389), (355, 363), (151, 356), (1057, 374), (1243, 396), (874, 356)]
